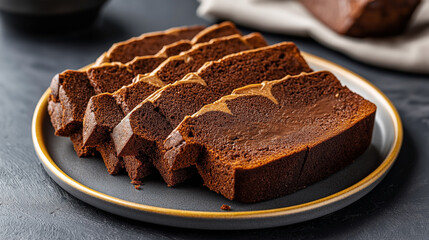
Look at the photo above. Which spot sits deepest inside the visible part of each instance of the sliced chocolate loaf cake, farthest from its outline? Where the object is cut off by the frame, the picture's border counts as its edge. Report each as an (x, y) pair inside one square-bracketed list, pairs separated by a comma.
[(103, 113), (363, 18), (145, 128), (174, 112), (270, 139)]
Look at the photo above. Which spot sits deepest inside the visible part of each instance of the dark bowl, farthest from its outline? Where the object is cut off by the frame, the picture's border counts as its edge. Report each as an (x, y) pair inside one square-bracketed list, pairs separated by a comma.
[(50, 15)]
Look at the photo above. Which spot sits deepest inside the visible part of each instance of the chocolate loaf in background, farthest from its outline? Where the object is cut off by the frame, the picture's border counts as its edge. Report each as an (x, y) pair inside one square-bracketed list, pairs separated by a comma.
[(76, 92), (363, 18), (103, 113), (274, 138), (145, 128)]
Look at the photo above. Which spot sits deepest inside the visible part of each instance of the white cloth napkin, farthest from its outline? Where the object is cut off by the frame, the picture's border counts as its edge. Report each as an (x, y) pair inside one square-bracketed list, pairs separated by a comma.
[(407, 52)]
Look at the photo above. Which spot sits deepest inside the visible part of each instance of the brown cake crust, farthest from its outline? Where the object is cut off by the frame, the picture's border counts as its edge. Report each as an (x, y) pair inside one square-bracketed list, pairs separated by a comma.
[(220, 30), (175, 49), (137, 133), (55, 88), (55, 110), (270, 139), (363, 18), (256, 40)]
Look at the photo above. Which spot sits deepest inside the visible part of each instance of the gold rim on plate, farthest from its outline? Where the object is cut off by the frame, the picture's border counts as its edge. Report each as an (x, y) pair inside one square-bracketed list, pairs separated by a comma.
[(380, 171)]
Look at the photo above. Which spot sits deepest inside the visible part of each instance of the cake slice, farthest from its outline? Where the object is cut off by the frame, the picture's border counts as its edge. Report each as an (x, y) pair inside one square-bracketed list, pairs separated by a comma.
[(363, 18), (147, 44), (145, 128), (105, 111), (271, 139)]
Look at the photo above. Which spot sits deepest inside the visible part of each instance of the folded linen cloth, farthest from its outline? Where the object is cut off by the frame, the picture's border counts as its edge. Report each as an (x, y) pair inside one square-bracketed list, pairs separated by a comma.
[(407, 52)]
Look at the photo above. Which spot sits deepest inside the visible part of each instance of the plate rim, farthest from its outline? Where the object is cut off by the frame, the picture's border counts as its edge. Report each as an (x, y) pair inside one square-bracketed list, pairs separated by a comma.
[(40, 113)]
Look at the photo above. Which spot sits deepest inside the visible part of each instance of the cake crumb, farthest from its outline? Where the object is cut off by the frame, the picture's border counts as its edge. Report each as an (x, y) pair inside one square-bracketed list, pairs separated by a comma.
[(225, 207), (136, 182)]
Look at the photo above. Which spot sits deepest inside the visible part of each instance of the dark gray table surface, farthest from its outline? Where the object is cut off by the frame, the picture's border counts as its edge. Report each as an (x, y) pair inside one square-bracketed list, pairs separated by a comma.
[(32, 206)]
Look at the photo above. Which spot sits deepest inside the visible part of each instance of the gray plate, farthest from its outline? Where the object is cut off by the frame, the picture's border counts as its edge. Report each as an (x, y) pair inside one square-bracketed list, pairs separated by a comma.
[(191, 205)]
